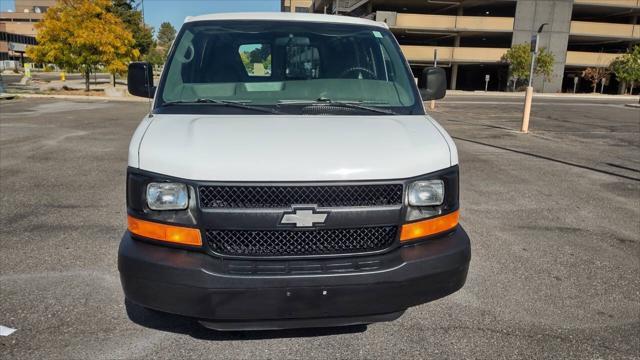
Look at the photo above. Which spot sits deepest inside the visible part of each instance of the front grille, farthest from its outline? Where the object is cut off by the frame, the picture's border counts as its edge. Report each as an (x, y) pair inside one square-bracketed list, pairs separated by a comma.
[(237, 197), (300, 242)]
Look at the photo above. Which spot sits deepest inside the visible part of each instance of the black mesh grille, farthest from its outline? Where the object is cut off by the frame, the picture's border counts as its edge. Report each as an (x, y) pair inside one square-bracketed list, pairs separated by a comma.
[(298, 243), (285, 196)]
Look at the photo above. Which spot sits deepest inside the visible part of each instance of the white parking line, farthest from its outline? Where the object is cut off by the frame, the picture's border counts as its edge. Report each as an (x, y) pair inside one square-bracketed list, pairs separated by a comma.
[(6, 331)]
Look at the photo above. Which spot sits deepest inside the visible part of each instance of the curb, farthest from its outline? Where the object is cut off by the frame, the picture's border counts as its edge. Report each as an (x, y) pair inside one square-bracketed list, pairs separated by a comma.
[(449, 93), (80, 97)]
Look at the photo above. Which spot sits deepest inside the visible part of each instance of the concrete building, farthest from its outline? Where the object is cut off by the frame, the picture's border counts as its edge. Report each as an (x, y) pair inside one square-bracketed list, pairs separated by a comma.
[(296, 5), (472, 35), (17, 28)]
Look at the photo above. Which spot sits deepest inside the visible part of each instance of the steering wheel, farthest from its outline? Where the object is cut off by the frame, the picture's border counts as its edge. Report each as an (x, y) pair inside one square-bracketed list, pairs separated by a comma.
[(370, 74)]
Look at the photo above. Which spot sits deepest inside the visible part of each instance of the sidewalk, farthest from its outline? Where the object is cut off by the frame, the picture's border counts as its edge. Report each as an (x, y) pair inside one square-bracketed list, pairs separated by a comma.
[(82, 97), (74, 89), (520, 94)]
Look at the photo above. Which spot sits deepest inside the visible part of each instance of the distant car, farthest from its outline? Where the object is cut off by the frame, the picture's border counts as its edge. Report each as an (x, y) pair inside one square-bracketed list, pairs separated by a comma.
[(288, 176)]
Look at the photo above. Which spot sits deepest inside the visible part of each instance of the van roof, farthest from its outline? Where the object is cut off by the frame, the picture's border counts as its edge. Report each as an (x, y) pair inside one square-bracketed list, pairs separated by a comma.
[(282, 16)]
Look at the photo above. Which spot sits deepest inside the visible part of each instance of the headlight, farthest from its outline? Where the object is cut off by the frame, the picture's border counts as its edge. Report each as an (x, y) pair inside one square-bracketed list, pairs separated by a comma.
[(167, 196), (426, 193)]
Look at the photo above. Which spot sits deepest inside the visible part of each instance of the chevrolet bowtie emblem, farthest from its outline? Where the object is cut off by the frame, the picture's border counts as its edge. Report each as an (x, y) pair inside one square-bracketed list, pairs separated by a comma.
[(303, 218)]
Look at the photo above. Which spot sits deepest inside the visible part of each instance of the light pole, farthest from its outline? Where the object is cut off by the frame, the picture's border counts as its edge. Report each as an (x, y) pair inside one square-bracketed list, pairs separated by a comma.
[(529, 93), (432, 103)]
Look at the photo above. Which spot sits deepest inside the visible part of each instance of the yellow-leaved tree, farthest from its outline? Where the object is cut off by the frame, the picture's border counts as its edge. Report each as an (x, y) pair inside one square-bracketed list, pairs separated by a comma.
[(82, 35)]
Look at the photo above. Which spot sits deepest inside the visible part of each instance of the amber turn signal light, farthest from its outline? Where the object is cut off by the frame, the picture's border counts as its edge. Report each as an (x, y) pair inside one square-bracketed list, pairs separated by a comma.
[(428, 227), (169, 233)]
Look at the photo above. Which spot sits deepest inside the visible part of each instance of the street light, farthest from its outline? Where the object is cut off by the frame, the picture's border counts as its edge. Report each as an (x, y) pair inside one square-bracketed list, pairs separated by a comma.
[(432, 103), (529, 93)]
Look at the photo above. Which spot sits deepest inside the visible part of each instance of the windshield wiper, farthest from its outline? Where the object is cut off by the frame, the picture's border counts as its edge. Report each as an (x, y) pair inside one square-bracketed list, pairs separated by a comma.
[(347, 104), (229, 103)]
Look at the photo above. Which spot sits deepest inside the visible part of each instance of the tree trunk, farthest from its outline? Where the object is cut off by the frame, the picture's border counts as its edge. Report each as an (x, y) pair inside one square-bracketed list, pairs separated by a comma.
[(114, 79), (87, 79), (622, 88)]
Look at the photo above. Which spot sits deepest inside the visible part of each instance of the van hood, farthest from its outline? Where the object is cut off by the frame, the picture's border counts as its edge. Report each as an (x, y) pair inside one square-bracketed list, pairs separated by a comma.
[(292, 148)]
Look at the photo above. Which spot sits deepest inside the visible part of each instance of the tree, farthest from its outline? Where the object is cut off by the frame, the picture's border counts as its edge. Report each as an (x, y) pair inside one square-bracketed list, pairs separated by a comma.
[(248, 65), (259, 54), (82, 35), (595, 75), (166, 35), (127, 11), (519, 59), (155, 56), (267, 63), (627, 67)]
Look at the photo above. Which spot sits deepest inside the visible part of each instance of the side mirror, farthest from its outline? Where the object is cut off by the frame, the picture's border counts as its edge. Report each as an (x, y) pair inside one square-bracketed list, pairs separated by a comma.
[(140, 80), (433, 83)]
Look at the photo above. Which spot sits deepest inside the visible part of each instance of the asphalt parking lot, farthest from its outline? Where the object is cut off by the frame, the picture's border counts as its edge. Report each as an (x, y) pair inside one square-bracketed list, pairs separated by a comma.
[(554, 219)]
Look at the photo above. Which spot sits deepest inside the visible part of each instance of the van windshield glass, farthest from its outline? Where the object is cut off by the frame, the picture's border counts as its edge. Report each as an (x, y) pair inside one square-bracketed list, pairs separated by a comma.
[(288, 65)]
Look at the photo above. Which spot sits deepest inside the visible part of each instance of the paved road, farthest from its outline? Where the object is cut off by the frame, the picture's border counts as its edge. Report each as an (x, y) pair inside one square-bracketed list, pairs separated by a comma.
[(554, 219)]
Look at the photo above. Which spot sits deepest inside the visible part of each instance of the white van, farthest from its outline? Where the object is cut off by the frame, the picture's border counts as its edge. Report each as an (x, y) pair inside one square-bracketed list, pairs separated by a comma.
[(288, 176)]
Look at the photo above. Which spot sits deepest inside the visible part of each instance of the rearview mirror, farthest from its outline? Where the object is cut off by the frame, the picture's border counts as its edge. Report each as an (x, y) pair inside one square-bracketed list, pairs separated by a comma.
[(433, 83), (293, 41), (140, 80)]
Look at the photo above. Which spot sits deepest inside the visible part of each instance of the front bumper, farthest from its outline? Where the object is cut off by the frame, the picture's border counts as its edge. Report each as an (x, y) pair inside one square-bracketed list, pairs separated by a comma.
[(264, 294)]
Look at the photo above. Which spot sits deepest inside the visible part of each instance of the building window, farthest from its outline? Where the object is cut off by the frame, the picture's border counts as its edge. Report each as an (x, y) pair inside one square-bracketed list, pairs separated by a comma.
[(302, 9), (18, 39), (287, 9)]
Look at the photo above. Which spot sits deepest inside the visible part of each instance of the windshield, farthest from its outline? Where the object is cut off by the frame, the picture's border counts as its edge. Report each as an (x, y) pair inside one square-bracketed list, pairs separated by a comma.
[(288, 66)]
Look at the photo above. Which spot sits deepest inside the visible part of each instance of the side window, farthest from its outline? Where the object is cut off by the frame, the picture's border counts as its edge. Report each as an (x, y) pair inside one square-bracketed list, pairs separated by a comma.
[(303, 62), (256, 59)]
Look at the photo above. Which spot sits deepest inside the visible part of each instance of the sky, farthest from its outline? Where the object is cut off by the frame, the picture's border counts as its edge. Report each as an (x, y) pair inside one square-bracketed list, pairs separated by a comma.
[(174, 11)]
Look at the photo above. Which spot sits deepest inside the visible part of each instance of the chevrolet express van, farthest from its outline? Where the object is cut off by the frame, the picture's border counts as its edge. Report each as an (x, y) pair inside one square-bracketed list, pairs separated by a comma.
[(288, 176)]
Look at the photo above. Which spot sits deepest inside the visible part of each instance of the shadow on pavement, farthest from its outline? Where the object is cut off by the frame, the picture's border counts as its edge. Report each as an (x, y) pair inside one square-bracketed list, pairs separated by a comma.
[(179, 324), (555, 160)]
